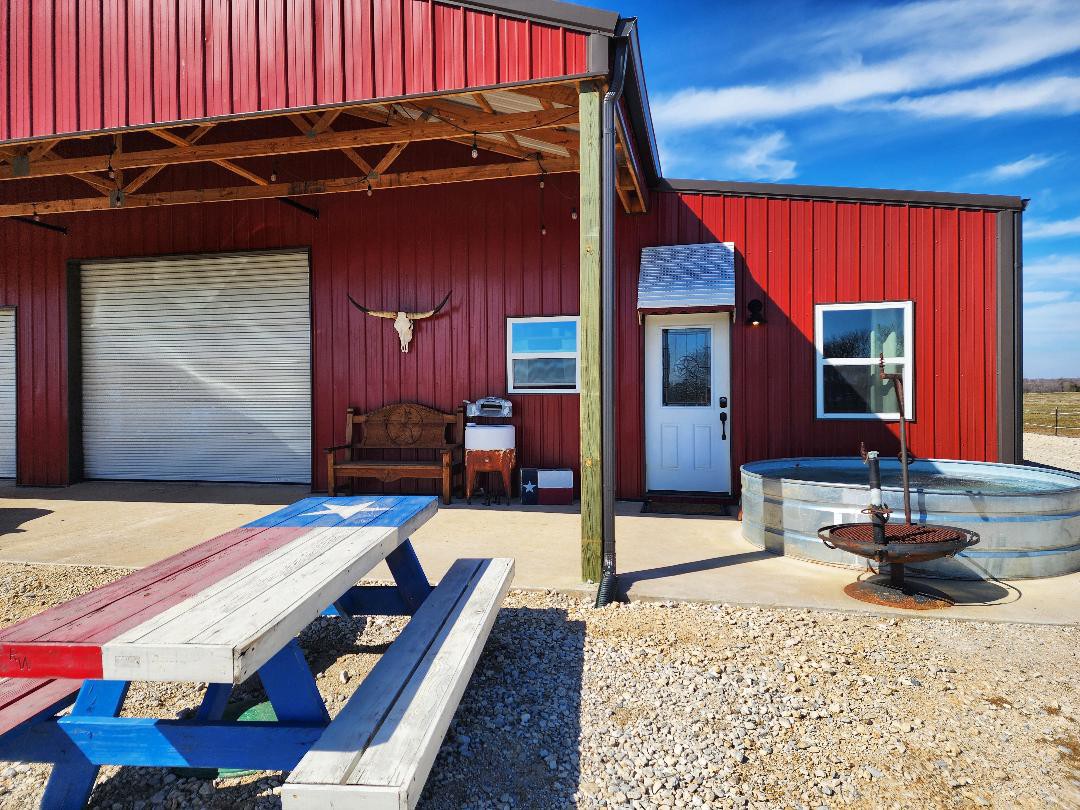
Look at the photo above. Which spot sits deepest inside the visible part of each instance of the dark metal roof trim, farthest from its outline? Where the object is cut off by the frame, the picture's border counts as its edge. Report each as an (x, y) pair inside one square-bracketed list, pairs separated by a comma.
[(568, 15), (637, 96), (1010, 337), (880, 195)]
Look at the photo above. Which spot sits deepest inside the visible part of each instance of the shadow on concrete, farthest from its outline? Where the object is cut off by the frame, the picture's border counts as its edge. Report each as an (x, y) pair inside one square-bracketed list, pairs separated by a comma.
[(162, 492), (629, 578), (973, 592), (12, 519)]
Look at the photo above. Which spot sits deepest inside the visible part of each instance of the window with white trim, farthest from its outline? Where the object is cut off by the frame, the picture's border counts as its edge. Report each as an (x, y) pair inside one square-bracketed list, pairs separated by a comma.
[(542, 355), (850, 339)]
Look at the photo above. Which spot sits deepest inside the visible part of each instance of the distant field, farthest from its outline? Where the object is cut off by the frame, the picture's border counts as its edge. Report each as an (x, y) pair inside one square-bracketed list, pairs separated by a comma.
[(1039, 413)]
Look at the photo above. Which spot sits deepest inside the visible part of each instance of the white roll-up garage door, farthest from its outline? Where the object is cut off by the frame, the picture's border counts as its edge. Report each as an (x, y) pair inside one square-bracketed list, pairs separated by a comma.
[(7, 393), (197, 368)]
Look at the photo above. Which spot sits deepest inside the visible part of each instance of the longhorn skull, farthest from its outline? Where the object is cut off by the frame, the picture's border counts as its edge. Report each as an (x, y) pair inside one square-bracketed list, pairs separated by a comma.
[(403, 321)]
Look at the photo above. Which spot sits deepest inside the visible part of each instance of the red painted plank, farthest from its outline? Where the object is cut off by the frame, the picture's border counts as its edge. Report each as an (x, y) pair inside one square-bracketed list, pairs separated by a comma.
[(38, 660), (22, 699), (450, 47), (20, 67), (482, 49), (299, 41), (218, 57), (359, 50), (106, 608)]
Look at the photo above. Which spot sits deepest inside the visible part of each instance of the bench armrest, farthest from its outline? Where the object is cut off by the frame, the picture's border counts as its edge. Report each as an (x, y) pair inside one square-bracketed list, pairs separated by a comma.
[(337, 447)]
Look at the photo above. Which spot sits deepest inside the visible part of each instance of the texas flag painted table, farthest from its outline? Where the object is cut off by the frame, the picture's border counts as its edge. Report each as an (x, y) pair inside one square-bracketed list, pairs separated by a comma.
[(216, 614)]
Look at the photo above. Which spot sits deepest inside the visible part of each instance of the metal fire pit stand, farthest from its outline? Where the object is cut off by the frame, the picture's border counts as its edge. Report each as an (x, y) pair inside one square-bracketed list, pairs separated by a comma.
[(898, 544)]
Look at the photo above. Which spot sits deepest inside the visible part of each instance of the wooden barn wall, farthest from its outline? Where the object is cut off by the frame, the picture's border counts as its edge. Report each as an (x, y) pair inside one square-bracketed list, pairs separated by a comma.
[(76, 65), (793, 254), (404, 248)]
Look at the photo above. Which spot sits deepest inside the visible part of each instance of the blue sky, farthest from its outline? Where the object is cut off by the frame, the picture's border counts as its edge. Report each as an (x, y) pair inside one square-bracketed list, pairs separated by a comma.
[(945, 95)]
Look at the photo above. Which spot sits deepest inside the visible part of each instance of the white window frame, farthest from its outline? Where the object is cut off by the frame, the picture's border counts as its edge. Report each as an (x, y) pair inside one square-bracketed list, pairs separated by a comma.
[(511, 355), (908, 360)]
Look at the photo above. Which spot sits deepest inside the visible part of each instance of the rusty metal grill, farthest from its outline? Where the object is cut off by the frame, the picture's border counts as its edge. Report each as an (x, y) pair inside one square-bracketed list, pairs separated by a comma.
[(896, 533)]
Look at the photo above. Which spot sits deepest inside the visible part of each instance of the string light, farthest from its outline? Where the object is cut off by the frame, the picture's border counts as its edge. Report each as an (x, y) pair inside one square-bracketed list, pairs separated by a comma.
[(369, 191), (475, 151), (273, 176), (573, 213)]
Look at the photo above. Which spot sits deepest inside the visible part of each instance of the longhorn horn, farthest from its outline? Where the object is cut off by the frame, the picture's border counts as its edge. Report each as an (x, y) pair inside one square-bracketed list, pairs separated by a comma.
[(378, 313), (415, 316)]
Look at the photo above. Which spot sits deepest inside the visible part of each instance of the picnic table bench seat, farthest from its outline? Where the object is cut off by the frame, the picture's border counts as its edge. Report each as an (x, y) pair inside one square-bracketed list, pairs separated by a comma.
[(378, 751), (232, 607)]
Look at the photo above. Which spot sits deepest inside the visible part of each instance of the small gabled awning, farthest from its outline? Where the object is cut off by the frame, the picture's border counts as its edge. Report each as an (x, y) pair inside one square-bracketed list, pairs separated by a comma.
[(697, 278)]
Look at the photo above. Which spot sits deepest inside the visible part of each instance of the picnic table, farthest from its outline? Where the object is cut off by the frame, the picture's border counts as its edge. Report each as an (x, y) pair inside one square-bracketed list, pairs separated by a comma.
[(232, 607)]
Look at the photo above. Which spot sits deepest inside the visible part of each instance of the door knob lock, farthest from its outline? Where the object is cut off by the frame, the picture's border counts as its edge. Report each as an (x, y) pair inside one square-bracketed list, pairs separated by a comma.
[(723, 402), (723, 425)]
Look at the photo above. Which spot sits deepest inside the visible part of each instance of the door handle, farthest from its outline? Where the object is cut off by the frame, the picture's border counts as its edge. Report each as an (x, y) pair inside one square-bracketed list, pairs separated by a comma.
[(723, 426)]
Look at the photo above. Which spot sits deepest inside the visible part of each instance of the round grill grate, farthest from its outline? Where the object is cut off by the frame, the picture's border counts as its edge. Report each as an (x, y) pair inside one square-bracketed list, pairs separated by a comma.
[(896, 533)]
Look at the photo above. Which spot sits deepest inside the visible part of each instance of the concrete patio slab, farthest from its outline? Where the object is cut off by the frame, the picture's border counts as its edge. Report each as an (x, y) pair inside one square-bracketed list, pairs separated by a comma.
[(661, 557)]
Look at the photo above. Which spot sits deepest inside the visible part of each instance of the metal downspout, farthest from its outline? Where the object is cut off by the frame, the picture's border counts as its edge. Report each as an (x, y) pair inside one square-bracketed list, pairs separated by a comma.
[(608, 590)]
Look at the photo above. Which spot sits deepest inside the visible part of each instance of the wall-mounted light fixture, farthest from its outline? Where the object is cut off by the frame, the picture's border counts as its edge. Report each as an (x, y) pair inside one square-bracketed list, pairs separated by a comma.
[(755, 312)]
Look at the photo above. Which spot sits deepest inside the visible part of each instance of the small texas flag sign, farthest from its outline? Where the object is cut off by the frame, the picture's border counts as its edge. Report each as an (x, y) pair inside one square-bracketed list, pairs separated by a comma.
[(546, 487)]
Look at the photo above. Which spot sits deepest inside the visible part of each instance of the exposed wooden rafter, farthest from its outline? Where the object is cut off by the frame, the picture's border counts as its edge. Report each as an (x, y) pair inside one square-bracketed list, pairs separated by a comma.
[(462, 174), (149, 174), (326, 141)]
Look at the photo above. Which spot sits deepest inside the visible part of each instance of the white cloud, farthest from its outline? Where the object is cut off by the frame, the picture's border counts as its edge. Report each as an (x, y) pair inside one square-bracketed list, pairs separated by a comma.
[(1052, 95), (922, 46), (760, 159), (1017, 168), (1053, 266), (1046, 296), (1039, 229)]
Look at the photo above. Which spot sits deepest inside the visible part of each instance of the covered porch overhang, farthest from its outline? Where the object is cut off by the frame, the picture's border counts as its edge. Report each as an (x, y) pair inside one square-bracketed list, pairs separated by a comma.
[(481, 134)]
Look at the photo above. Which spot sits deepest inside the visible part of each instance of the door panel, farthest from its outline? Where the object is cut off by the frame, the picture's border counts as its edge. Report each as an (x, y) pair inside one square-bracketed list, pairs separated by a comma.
[(687, 372)]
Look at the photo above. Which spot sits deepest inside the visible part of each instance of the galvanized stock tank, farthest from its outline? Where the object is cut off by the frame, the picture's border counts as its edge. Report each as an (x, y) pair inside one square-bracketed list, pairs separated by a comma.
[(1028, 517)]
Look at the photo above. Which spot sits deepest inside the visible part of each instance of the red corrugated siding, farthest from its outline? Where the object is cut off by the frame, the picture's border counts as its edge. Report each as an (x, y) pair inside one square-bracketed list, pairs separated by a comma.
[(794, 254), (77, 67), (486, 246)]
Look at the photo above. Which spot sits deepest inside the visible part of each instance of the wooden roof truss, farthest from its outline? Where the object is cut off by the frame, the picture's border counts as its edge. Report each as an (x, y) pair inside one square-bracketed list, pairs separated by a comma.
[(522, 131)]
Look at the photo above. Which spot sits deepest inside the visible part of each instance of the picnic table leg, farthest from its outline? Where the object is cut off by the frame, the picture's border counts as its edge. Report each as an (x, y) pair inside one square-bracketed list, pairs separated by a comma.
[(411, 580), (73, 776), (214, 701), (291, 687)]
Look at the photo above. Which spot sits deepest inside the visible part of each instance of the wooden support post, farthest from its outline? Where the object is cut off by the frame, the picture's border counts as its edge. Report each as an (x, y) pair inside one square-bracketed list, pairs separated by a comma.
[(589, 271)]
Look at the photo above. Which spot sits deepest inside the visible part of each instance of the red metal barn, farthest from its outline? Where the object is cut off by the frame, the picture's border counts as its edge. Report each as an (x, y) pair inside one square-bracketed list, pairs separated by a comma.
[(192, 191)]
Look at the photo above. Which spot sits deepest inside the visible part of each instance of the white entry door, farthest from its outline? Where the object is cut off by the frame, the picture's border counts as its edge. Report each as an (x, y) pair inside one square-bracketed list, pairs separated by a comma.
[(687, 379)]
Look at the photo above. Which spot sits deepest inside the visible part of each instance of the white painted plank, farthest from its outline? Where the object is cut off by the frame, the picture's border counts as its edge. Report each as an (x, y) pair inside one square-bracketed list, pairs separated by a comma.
[(264, 572), (393, 768), (333, 757), (250, 615), (404, 748)]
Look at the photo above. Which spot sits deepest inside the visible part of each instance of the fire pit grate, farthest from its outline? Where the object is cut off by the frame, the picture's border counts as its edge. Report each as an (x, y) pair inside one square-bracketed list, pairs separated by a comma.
[(896, 533)]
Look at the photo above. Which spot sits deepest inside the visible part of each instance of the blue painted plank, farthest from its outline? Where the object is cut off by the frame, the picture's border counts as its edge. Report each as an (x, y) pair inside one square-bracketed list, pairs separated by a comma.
[(371, 600), (141, 741), (291, 687), (412, 582), (73, 777), (214, 701)]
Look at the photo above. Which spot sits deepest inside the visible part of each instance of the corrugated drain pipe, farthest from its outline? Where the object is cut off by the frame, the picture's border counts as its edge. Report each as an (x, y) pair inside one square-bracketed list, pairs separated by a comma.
[(609, 586)]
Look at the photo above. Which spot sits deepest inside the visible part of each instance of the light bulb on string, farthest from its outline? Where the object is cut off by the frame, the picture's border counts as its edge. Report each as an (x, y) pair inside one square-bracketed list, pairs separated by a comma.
[(573, 214), (475, 152)]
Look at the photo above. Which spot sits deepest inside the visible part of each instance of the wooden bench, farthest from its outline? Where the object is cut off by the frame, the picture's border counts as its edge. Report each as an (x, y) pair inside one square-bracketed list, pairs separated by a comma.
[(229, 608), (378, 751), (405, 426)]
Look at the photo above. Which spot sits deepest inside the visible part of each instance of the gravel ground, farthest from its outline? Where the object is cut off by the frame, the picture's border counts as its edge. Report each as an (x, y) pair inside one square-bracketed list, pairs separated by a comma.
[(652, 705), (1054, 451)]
